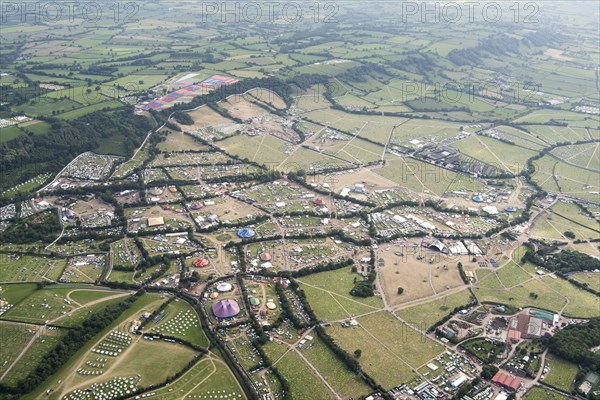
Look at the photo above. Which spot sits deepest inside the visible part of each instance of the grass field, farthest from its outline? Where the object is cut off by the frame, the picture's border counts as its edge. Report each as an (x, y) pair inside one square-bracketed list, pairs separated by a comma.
[(180, 321), (339, 282), (15, 293), (14, 339), (9, 133), (161, 360), (520, 296), (86, 296), (30, 360), (582, 304), (421, 177), (300, 377), (147, 302), (346, 383), (76, 317), (592, 279), (14, 268), (55, 303), (425, 315), (501, 155), (539, 393), (207, 375), (556, 176), (42, 305), (483, 349), (511, 275), (561, 373), (390, 349), (330, 307)]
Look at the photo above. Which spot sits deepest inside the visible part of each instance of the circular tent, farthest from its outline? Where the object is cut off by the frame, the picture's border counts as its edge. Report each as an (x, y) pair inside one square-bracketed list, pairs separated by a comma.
[(265, 257), (200, 262), (156, 191), (226, 308), (271, 305), (224, 287), (246, 233), (478, 199), (196, 206), (214, 295), (254, 301), (319, 202)]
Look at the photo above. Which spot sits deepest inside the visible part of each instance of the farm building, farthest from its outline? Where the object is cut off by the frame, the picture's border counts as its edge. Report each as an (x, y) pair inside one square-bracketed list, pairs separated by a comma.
[(513, 335), (506, 381)]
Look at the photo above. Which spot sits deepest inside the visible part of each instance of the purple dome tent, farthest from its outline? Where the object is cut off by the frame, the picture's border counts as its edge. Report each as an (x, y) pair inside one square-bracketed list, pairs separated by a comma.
[(226, 308)]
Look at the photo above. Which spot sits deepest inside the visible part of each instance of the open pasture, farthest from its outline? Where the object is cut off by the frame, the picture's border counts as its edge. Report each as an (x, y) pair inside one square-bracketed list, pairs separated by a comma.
[(339, 283), (547, 293), (561, 373), (585, 155), (300, 377), (407, 267), (208, 375), (551, 134), (556, 176), (346, 383), (592, 279), (505, 156), (264, 149), (541, 393), (180, 141), (389, 361), (423, 316)]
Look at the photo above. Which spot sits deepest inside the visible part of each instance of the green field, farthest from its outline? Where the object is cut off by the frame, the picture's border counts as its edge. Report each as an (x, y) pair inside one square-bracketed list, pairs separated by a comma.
[(512, 274), (9, 133), (86, 296), (390, 349), (346, 383), (40, 347), (588, 278), (539, 393), (425, 315), (147, 302), (180, 321), (14, 339), (15, 293), (561, 373), (207, 375), (300, 377)]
